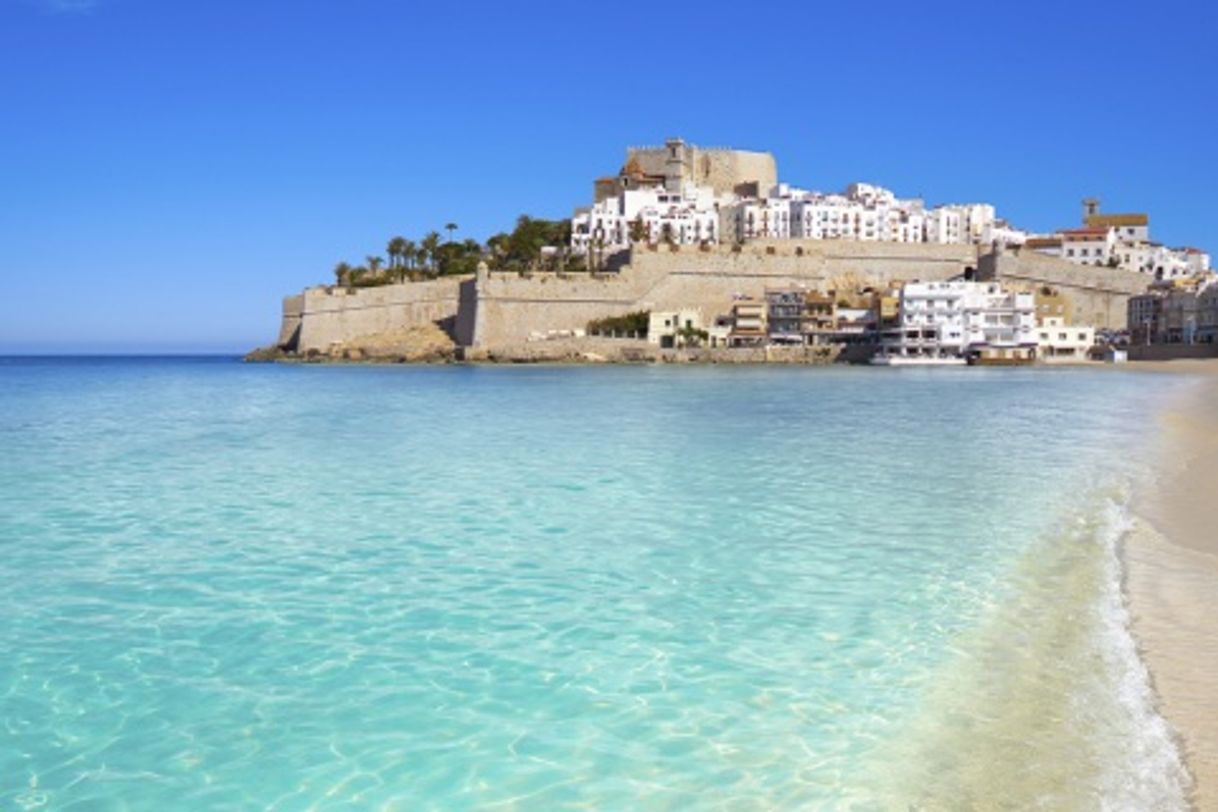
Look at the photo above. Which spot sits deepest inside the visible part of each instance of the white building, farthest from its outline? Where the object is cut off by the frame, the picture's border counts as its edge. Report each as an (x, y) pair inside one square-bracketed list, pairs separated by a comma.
[(943, 225), (1123, 241), (954, 321), (1057, 342), (672, 328), (1092, 245), (652, 214), (765, 218)]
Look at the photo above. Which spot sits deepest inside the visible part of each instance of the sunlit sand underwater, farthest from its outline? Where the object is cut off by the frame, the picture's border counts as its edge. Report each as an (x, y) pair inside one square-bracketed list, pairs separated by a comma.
[(241, 587)]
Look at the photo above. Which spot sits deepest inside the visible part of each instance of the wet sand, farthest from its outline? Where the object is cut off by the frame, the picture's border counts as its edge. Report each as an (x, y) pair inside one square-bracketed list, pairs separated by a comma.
[(1172, 575)]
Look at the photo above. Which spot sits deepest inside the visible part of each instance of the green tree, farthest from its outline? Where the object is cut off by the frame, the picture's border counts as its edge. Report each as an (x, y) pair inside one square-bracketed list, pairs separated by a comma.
[(342, 273), (499, 246), (374, 265), (410, 254), (430, 244), (396, 250), (450, 228), (638, 229)]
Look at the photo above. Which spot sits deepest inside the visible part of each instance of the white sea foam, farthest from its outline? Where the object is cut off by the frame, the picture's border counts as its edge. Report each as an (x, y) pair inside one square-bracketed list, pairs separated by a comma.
[(1047, 704), (1146, 771)]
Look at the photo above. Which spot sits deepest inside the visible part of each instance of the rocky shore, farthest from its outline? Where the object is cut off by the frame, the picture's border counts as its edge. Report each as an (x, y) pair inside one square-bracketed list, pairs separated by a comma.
[(420, 345)]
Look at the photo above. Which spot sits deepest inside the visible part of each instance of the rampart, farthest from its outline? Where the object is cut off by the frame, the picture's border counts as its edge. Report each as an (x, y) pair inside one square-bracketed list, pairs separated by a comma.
[(496, 310), (1099, 295), (330, 316), (511, 307)]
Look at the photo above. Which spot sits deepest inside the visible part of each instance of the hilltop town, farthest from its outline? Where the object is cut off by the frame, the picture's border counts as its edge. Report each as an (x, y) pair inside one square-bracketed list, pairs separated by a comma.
[(689, 253)]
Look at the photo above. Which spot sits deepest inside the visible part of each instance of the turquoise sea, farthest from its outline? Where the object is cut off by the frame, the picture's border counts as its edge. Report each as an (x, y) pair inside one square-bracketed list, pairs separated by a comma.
[(293, 587)]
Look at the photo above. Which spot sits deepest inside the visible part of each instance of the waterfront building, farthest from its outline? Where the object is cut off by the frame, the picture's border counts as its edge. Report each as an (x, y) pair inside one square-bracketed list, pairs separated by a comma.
[(820, 318), (748, 323), (1058, 342), (719, 334), (1144, 314), (785, 314), (674, 328), (1182, 312), (1207, 315), (946, 321)]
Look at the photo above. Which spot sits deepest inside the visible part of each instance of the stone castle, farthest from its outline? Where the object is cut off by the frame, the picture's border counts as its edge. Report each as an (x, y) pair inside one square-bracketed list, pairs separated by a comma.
[(677, 163), (494, 312)]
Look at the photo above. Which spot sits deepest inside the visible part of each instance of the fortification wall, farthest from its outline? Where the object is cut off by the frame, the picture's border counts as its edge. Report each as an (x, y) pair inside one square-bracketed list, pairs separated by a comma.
[(330, 316), (498, 310), (721, 169), (1099, 295), (724, 169), (510, 307), (289, 326)]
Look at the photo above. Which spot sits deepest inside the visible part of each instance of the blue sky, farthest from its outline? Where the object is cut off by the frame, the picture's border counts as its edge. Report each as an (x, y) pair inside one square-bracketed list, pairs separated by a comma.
[(169, 170)]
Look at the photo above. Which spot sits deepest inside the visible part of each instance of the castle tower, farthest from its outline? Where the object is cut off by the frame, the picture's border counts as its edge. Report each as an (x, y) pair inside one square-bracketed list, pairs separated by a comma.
[(674, 164), (1091, 207)]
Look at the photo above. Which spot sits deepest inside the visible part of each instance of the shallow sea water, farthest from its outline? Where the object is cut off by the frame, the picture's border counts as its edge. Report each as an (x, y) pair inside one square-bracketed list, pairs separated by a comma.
[(245, 587)]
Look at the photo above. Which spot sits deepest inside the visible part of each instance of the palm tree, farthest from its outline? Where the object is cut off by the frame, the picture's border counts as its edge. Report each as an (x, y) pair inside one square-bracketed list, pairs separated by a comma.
[(395, 251), (498, 246), (374, 265), (410, 253), (450, 228), (342, 273), (430, 244)]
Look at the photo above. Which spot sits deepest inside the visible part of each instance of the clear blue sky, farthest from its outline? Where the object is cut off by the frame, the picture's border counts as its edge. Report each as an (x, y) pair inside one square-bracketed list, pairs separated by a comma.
[(169, 170)]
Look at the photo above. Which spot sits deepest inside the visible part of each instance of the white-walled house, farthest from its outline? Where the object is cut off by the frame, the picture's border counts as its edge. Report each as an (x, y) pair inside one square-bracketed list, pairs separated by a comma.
[(948, 322), (1091, 245), (668, 328), (1058, 342), (688, 216)]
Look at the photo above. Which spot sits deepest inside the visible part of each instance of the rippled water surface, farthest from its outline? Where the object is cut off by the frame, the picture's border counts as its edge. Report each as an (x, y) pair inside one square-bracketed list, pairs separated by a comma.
[(239, 587)]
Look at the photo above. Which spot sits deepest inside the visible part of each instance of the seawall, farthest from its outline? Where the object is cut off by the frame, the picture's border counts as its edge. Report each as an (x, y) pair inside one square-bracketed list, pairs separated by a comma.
[(325, 317)]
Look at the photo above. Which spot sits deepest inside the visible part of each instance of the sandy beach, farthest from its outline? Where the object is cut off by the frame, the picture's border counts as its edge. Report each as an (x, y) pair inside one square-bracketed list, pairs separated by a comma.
[(1172, 575)]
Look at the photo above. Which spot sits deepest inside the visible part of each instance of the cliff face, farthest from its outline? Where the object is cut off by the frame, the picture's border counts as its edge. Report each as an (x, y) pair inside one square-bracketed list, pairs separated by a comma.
[(497, 310)]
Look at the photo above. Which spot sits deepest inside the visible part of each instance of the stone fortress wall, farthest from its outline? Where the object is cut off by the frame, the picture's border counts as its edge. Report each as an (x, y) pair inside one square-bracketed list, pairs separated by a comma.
[(323, 317), (501, 309), (510, 308), (1099, 295)]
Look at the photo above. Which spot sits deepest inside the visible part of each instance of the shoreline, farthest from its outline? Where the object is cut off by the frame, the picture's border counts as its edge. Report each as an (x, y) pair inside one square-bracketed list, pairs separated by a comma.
[(1170, 560)]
